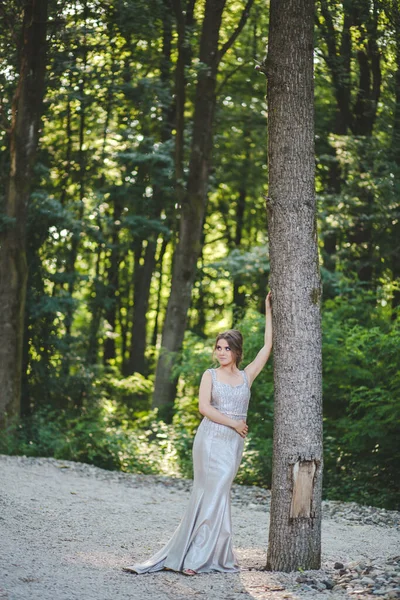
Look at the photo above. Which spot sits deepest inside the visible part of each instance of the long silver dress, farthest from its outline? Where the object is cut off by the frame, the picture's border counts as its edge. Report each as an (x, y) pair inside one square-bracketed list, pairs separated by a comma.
[(203, 539)]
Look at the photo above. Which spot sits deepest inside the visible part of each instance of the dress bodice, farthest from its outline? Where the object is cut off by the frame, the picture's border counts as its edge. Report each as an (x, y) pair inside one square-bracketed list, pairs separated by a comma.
[(228, 399)]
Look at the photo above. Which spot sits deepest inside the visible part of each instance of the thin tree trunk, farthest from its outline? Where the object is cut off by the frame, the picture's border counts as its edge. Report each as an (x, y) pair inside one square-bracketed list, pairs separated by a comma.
[(144, 273), (97, 304), (295, 530), (239, 297), (123, 306), (198, 319), (95, 309), (193, 210), (26, 114), (75, 241), (112, 283), (193, 204), (395, 152), (143, 276), (158, 305)]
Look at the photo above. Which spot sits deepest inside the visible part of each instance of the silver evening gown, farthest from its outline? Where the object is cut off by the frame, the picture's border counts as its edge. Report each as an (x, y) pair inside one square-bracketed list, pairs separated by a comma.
[(203, 539)]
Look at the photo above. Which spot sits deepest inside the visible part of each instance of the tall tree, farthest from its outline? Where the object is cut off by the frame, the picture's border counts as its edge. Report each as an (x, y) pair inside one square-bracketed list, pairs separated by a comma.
[(295, 530), (24, 133), (393, 12), (194, 197)]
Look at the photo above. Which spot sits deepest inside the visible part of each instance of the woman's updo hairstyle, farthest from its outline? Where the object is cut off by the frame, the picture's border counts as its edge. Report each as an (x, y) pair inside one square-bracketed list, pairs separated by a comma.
[(235, 342)]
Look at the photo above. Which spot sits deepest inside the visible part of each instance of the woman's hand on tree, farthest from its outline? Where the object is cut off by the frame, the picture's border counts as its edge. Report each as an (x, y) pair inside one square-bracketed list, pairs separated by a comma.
[(242, 428), (268, 304)]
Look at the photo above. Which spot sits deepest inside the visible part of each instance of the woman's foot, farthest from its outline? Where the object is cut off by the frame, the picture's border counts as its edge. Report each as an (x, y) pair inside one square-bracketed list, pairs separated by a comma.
[(129, 570), (189, 572)]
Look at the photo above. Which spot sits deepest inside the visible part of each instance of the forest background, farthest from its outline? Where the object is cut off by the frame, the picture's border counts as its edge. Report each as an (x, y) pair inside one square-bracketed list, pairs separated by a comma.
[(109, 183)]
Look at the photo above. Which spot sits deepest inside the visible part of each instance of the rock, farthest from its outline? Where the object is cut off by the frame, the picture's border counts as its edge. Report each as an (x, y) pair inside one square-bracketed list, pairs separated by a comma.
[(345, 579), (339, 586), (338, 565), (305, 579), (367, 581), (320, 586), (329, 583), (359, 569), (307, 588)]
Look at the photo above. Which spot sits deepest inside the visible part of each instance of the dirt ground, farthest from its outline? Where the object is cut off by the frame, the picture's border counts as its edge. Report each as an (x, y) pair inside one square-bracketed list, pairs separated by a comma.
[(67, 530)]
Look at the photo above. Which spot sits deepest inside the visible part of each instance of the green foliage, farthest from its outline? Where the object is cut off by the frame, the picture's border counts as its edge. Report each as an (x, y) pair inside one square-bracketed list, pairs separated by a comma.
[(98, 436), (362, 409)]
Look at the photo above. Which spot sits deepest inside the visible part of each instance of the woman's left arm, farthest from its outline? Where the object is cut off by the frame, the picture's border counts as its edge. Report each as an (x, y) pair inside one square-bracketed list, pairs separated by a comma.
[(256, 366)]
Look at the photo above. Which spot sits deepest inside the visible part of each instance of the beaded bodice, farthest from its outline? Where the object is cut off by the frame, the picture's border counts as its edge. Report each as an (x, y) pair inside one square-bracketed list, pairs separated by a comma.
[(228, 399)]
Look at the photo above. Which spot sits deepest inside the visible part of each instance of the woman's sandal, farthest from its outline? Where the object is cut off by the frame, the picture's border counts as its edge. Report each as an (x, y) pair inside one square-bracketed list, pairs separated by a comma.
[(189, 572)]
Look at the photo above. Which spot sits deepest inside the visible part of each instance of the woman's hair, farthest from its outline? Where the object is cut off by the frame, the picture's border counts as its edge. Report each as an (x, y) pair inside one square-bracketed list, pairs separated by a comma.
[(235, 341)]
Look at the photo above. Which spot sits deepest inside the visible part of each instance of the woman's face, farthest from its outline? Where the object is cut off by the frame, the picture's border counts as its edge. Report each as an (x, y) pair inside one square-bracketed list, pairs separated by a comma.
[(224, 354)]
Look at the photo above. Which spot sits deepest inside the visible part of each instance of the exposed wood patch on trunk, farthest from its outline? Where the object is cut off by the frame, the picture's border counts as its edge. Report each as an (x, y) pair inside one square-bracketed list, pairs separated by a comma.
[(303, 483)]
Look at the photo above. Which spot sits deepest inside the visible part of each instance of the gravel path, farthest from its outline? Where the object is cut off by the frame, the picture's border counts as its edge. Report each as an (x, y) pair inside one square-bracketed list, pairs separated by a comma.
[(67, 529)]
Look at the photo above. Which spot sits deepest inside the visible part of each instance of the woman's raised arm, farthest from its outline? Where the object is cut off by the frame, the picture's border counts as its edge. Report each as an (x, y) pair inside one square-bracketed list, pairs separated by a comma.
[(256, 366)]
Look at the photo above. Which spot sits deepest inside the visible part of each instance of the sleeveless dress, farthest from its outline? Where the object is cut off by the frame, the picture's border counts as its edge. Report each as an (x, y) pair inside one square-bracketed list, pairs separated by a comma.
[(203, 539)]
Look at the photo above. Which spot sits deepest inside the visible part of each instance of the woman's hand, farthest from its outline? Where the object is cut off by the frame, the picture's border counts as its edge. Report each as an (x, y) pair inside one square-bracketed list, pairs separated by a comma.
[(242, 428), (268, 304)]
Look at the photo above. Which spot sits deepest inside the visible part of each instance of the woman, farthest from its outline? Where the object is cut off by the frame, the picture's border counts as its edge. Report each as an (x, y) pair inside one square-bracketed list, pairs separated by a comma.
[(203, 540)]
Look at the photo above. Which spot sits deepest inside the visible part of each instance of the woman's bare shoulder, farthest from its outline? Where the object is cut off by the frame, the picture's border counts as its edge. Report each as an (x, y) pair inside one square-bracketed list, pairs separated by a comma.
[(206, 375)]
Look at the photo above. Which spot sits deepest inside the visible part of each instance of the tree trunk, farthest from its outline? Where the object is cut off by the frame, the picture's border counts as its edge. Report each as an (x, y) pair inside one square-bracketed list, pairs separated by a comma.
[(239, 297), (194, 200), (95, 309), (395, 152), (143, 274), (193, 210), (76, 237), (160, 261), (142, 277), (26, 114), (109, 352), (295, 529)]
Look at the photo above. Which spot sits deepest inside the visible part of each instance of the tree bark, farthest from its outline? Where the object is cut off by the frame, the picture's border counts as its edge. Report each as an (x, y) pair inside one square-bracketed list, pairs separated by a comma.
[(26, 115), (295, 530)]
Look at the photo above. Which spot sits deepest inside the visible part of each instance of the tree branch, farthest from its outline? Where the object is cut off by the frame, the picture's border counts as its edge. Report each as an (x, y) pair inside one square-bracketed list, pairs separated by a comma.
[(235, 34), (227, 77)]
